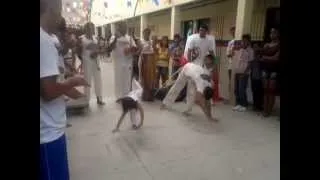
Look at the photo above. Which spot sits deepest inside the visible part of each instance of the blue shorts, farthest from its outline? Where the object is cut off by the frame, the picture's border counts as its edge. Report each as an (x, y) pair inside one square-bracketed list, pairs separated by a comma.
[(54, 160)]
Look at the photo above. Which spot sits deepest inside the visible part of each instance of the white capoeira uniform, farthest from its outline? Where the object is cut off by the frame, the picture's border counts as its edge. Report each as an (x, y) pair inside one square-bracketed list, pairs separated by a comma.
[(122, 65), (191, 75), (91, 66), (135, 94)]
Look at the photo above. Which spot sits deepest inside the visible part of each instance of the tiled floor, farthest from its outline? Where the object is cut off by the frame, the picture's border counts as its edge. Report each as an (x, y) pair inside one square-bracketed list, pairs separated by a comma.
[(242, 146)]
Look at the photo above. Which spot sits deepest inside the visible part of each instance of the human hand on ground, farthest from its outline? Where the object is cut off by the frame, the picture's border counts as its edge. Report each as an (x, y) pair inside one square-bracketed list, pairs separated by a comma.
[(115, 130), (186, 113), (163, 106)]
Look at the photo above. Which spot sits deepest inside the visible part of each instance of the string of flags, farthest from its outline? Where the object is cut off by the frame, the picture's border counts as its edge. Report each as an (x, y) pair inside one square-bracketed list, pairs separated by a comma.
[(128, 4)]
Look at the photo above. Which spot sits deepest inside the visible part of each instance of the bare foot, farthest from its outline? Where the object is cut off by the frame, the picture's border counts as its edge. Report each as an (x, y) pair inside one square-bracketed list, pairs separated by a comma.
[(115, 130), (186, 113), (213, 119), (135, 127), (266, 114), (163, 106)]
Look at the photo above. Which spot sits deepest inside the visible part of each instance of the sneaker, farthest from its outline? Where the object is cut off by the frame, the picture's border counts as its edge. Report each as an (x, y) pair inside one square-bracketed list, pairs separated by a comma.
[(242, 109), (236, 107)]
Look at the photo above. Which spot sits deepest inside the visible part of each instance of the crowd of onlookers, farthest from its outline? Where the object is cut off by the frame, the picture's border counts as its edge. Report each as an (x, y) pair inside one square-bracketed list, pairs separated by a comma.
[(245, 61), (260, 65)]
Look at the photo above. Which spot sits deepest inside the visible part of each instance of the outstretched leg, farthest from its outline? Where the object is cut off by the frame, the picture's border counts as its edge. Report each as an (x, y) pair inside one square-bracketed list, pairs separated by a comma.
[(175, 90)]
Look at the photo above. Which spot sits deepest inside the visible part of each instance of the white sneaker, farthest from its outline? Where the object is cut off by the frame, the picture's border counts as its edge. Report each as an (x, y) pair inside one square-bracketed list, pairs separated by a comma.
[(242, 109), (236, 108)]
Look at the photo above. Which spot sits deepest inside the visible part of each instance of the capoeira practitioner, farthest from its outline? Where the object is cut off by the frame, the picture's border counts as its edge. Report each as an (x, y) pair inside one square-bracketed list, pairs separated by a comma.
[(199, 88), (91, 65), (123, 47), (131, 102)]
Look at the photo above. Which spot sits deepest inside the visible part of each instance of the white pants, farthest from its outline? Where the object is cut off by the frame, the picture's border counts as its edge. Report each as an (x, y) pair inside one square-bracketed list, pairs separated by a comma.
[(177, 87), (122, 77), (92, 70)]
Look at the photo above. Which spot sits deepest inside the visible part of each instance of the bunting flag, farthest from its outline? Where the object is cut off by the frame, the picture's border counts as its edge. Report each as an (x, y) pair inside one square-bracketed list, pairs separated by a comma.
[(156, 2), (129, 3)]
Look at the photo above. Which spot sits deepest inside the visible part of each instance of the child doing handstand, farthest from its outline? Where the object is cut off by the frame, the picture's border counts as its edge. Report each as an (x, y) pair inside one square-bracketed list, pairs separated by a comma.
[(131, 103)]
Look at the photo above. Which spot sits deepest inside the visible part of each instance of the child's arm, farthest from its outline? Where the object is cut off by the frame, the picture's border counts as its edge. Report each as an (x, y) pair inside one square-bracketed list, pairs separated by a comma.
[(141, 114), (119, 122)]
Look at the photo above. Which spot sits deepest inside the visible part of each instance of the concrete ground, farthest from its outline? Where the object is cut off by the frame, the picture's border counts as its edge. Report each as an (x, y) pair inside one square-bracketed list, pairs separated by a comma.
[(242, 146)]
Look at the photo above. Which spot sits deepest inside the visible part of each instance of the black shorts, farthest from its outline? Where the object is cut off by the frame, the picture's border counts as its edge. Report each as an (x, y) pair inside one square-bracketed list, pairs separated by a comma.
[(128, 104)]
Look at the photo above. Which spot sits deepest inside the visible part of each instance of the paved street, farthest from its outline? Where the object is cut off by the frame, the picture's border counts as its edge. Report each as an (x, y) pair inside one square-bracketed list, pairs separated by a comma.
[(242, 146)]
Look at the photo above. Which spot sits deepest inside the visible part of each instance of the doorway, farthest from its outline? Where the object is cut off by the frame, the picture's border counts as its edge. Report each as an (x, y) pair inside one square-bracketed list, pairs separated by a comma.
[(272, 21)]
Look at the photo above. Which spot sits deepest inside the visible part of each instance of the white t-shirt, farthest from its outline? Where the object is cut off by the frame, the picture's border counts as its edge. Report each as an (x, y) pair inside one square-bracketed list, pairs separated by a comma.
[(122, 43), (136, 92), (229, 51), (88, 45), (194, 71), (242, 59), (53, 113), (200, 47), (146, 47)]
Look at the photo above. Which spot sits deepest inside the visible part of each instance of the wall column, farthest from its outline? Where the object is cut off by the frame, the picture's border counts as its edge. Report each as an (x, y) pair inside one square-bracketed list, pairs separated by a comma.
[(113, 28), (244, 17), (143, 24), (103, 33), (175, 27), (243, 22)]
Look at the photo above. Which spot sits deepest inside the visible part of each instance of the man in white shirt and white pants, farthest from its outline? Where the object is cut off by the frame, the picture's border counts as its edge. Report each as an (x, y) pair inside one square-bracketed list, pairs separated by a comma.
[(53, 153), (91, 63), (199, 45), (122, 46), (199, 89)]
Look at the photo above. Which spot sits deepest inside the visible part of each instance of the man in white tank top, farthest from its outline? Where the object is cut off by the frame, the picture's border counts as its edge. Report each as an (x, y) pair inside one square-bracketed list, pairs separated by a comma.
[(91, 65), (199, 89)]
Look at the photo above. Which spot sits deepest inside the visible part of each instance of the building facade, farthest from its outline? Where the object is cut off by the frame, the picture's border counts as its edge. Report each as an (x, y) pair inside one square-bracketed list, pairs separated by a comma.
[(167, 17)]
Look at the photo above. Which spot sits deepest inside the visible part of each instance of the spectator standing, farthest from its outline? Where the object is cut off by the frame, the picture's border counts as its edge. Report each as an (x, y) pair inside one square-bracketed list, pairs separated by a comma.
[(53, 148), (230, 55), (123, 48), (200, 45), (162, 64), (270, 70), (91, 63), (241, 69)]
